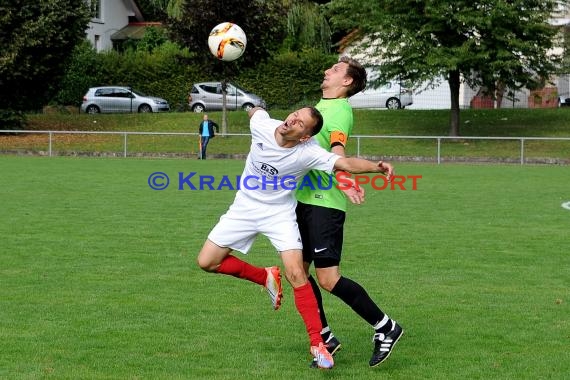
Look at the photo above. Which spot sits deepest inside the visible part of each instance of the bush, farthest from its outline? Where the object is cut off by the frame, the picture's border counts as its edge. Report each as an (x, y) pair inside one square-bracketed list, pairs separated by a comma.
[(290, 79), (287, 80), (12, 120), (82, 71)]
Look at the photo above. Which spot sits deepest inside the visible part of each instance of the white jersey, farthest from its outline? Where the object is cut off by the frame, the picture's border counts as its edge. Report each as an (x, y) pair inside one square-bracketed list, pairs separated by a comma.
[(265, 203), (272, 172)]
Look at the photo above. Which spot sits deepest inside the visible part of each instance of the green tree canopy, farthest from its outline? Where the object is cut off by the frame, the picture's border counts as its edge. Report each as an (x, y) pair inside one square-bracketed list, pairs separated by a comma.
[(489, 43), (307, 27), (264, 23), (37, 38)]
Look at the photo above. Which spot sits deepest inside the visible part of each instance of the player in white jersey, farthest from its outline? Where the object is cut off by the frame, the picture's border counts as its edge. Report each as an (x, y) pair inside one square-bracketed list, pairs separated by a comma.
[(281, 153)]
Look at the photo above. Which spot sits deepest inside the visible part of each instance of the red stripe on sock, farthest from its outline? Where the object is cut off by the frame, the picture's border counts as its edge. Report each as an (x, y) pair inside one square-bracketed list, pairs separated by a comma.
[(233, 266), (307, 306)]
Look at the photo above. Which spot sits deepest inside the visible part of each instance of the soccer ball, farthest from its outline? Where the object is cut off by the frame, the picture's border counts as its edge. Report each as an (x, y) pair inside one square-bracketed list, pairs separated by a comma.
[(227, 41)]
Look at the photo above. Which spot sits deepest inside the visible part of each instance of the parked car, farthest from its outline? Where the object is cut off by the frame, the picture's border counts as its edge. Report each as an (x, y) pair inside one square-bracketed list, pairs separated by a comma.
[(207, 96), (120, 99), (391, 95)]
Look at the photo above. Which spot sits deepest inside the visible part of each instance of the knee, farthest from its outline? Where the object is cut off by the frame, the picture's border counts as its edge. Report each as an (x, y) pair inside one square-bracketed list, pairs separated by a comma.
[(205, 264), (296, 276), (327, 282)]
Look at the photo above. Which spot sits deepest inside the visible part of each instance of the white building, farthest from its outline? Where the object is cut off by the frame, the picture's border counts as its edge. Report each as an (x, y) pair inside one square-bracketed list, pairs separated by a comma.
[(438, 96), (109, 20)]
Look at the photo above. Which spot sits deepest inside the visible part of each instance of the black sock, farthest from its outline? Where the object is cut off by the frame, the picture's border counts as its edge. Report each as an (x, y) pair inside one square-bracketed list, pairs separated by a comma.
[(384, 326), (356, 297)]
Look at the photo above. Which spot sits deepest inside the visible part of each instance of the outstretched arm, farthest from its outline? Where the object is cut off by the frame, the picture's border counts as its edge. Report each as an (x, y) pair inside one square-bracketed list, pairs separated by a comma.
[(358, 165), (253, 110), (353, 193)]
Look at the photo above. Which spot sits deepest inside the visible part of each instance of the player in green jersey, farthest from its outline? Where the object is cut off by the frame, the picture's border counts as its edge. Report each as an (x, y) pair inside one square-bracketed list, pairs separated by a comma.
[(321, 214)]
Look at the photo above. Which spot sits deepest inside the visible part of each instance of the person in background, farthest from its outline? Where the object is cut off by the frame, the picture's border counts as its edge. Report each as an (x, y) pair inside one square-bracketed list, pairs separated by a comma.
[(206, 131)]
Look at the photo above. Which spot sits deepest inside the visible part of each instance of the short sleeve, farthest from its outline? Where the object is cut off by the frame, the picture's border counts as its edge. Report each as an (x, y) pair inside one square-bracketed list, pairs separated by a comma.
[(259, 115), (318, 158)]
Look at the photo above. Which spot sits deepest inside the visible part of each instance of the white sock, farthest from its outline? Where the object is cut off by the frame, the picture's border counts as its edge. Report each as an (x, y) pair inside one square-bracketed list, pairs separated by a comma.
[(382, 323)]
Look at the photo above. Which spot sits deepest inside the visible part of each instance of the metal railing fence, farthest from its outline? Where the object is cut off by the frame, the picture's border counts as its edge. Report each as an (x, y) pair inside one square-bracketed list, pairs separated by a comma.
[(359, 139)]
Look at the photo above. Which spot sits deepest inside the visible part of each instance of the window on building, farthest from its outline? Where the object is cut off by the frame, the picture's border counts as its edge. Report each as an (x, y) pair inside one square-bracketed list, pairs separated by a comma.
[(95, 7), (97, 42)]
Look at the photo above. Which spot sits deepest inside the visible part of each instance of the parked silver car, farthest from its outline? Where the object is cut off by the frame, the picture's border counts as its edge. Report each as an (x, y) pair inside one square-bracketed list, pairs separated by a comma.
[(121, 99), (207, 96), (392, 95)]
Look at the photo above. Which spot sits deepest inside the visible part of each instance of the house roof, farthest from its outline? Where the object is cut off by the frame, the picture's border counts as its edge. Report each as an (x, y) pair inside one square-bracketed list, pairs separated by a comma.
[(132, 5), (134, 30)]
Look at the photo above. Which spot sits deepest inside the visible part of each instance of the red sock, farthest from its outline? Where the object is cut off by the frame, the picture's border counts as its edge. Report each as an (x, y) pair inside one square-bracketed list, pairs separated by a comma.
[(307, 306), (233, 266)]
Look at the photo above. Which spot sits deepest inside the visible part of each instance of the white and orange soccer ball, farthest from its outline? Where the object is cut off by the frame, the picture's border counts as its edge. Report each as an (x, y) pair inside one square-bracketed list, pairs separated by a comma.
[(227, 41)]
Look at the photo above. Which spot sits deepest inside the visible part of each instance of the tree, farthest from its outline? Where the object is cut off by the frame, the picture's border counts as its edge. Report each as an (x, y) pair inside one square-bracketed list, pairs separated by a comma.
[(37, 38), (157, 10), (489, 43), (307, 28), (306, 24), (262, 20)]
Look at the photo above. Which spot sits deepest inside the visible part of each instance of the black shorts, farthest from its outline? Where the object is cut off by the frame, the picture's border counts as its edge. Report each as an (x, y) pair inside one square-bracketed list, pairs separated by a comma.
[(322, 234)]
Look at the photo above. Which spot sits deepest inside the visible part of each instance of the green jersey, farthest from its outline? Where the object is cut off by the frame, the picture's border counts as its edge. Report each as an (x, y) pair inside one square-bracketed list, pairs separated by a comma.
[(338, 122)]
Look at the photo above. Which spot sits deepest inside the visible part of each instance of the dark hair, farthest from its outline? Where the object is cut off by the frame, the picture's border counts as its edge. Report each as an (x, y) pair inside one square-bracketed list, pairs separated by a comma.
[(358, 74), (316, 115)]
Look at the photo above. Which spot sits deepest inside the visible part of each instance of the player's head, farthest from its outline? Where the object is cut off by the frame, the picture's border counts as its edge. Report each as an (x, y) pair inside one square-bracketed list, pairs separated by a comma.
[(344, 79), (301, 124), (318, 118), (358, 74)]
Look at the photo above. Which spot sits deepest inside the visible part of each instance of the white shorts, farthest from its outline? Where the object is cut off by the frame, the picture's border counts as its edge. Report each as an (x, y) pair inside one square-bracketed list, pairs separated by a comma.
[(246, 218)]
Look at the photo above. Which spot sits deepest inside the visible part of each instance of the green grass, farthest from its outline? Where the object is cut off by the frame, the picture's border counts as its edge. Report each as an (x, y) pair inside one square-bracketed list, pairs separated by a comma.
[(474, 123), (98, 277)]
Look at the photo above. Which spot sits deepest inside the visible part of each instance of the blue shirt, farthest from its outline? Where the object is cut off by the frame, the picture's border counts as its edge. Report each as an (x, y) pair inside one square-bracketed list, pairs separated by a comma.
[(205, 129)]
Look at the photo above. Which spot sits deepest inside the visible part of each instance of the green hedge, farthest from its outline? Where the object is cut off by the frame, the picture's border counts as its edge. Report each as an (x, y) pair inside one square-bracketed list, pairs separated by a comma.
[(12, 120), (289, 79)]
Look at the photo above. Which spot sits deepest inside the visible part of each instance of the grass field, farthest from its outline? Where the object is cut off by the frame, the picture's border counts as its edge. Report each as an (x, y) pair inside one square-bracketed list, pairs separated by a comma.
[(98, 277)]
